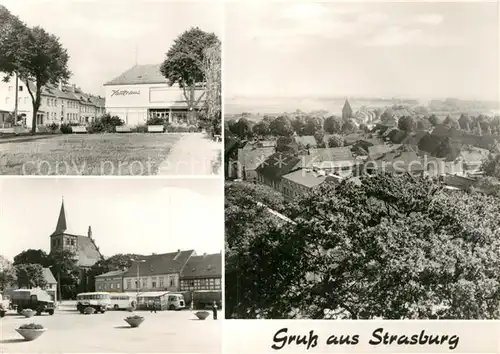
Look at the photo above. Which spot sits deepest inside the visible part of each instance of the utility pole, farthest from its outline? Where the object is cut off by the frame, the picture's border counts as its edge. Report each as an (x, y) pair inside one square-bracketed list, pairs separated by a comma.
[(17, 100)]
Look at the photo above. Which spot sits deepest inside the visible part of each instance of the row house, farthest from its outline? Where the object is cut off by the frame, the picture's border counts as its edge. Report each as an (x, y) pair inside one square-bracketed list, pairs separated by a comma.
[(181, 271), (61, 104)]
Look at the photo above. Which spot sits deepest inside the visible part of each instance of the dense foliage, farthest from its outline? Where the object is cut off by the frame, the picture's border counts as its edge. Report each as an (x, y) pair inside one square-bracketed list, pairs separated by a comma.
[(395, 247)]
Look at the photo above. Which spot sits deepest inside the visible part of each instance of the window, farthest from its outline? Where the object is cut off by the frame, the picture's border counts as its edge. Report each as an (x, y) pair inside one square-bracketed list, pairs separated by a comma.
[(172, 281), (20, 88), (118, 285), (68, 116), (72, 242), (217, 282), (137, 284), (112, 285), (145, 282), (162, 282), (153, 284), (129, 284)]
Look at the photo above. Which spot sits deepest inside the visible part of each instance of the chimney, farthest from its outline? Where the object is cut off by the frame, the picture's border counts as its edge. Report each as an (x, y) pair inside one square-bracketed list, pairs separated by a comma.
[(90, 232), (205, 255)]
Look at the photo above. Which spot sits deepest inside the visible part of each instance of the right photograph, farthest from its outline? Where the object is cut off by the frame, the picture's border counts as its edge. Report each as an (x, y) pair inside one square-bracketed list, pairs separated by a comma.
[(362, 160)]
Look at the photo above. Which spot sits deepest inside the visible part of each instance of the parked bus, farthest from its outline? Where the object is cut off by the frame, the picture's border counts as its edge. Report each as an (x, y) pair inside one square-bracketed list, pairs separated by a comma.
[(100, 301), (123, 301), (162, 300)]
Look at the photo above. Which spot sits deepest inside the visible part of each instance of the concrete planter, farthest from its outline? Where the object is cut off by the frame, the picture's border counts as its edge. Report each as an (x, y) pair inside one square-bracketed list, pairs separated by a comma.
[(79, 130), (30, 334), (123, 129), (155, 128), (202, 314), (28, 313), (134, 322)]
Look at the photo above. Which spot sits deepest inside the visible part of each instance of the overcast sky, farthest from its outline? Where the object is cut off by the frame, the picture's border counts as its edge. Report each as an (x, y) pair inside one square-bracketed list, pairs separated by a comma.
[(101, 36), (126, 215), (419, 50)]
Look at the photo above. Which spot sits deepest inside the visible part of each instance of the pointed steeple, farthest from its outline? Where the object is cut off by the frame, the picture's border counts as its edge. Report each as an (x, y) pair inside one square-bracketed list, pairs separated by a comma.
[(61, 222), (346, 110)]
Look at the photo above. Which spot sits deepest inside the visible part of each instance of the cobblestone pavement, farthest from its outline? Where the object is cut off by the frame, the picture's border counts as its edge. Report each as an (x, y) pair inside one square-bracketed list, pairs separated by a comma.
[(71, 332)]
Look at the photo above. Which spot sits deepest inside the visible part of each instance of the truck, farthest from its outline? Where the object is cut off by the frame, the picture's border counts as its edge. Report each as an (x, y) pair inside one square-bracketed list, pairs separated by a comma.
[(35, 299)]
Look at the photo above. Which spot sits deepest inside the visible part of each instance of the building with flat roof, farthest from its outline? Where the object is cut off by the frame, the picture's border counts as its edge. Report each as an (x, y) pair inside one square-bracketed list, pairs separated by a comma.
[(142, 92)]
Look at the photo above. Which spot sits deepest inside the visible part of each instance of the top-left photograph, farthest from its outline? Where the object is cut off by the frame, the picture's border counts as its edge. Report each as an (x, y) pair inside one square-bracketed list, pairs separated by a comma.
[(129, 88)]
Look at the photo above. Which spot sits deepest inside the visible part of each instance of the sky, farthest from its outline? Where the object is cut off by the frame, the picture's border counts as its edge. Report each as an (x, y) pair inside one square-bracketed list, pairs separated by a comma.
[(416, 50), (103, 37), (126, 215)]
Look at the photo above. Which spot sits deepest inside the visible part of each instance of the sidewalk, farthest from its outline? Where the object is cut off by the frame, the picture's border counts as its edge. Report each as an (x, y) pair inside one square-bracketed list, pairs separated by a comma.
[(193, 154)]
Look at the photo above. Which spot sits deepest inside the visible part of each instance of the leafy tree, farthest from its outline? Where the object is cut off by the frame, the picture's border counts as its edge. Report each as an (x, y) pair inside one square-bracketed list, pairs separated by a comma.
[(488, 185), (7, 273), (312, 126), (185, 63), (30, 276), (319, 136), (261, 128), (243, 128), (117, 262), (407, 124), (451, 123), (335, 141), (394, 247), (348, 127), (364, 127), (63, 264), (298, 125), (213, 86), (32, 256), (281, 126), (333, 125), (433, 119), (464, 122), (388, 114), (37, 58), (287, 144), (423, 124), (484, 122), (491, 166)]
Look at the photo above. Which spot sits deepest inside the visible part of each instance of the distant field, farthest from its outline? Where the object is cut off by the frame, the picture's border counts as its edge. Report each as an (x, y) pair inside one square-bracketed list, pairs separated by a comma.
[(103, 154)]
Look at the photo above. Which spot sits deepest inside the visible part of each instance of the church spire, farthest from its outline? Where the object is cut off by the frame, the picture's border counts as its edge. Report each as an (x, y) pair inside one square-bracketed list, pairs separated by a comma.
[(346, 110), (61, 222)]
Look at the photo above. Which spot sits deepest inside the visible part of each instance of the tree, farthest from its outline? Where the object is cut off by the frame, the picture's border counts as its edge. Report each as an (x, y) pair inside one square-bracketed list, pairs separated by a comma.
[(261, 128), (433, 120), (298, 125), (451, 123), (312, 126), (212, 71), (388, 114), (185, 63), (464, 122), (7, 273), (32, 256), (243, 129), (281, 126), (30, 276), (12, 32), (491, 166), (394, 247), (423, 124), (116, 262), (333, 125), (407, 124), (319, 136), (287, 144), (38, 60), (348, 127), (335, 141), (63, 264)]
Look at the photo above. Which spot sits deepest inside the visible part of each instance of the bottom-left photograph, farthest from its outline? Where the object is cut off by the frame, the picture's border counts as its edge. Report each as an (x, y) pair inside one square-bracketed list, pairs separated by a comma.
[(111, 265)]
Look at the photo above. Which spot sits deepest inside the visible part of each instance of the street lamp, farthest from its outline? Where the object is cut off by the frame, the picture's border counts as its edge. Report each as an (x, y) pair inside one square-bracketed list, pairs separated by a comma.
[(137, 261)]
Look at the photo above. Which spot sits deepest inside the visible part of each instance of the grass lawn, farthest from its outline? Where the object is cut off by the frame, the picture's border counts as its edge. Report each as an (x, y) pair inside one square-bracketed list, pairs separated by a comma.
[(99, 154)]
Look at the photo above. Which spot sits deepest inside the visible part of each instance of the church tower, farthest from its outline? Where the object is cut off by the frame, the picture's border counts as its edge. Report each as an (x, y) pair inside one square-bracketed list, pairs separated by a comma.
[(60, 240), (346, 111)]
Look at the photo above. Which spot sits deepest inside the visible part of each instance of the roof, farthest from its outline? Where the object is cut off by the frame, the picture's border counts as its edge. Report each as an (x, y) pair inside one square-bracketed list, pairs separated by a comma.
[(414, 139), (88, 254), (278, 165), (61, 221), (209, 265), (318, 156), (251, 159), (153, 294), (398, 160), (473, 155), (305, 178), (113, 273), (306, 140), (140, 74), (382, 149), (49, 277), (157, 264)]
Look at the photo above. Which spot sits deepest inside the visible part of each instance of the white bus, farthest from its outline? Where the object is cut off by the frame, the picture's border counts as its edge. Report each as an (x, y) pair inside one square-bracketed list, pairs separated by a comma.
[(123, 301), (98, 300)]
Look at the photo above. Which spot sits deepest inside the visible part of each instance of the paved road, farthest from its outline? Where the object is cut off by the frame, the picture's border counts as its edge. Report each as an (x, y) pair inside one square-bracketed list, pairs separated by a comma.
[(193, 154), (71, 332)]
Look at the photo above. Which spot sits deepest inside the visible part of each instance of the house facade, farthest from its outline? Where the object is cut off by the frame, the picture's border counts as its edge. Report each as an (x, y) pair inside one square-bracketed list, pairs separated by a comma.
[(51, 288), (62, 104), (202, 273), (157, 272), (110, 281), (142, 92)]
